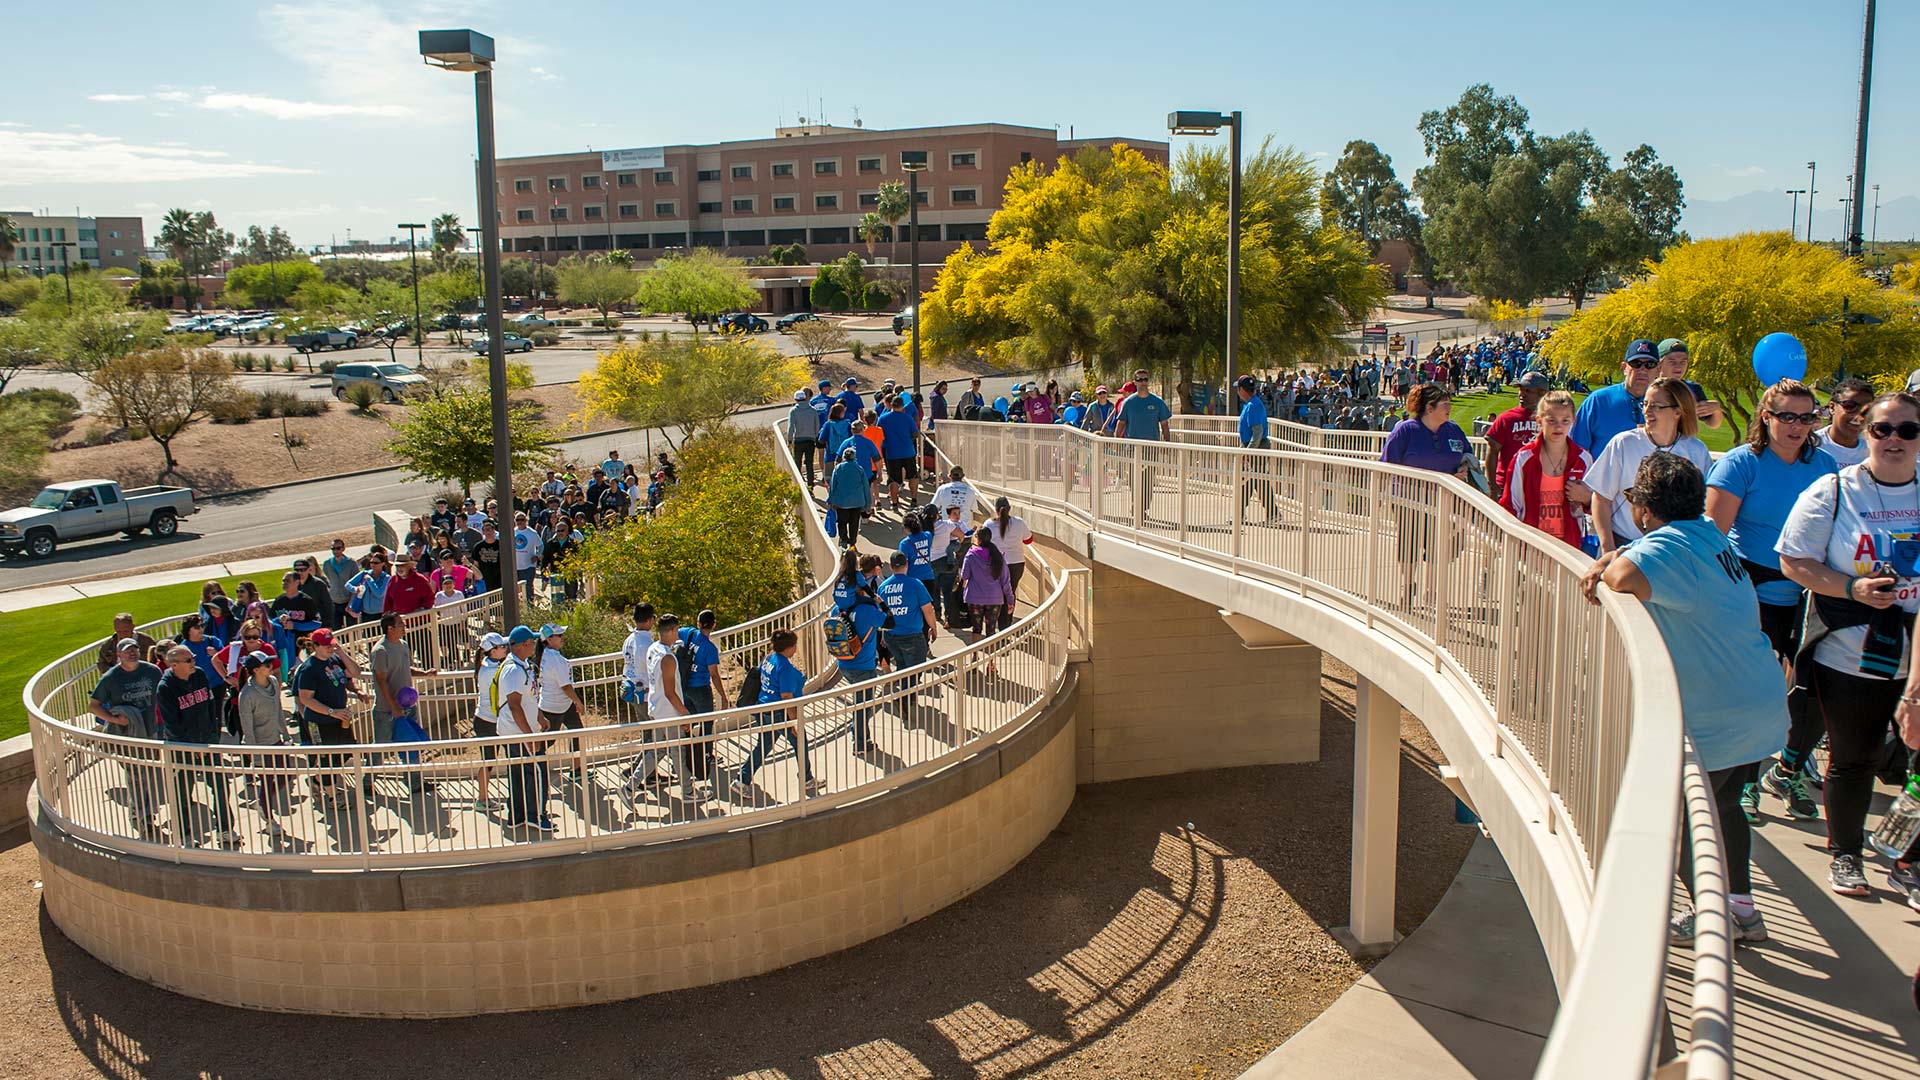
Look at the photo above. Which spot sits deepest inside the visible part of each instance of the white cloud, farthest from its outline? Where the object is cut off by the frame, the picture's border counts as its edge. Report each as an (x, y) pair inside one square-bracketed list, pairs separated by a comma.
[(283, 109), (116, 97), (172, 95), (1318, 154), (1747, 170), (542, 74), (367, 53), (48, 157)]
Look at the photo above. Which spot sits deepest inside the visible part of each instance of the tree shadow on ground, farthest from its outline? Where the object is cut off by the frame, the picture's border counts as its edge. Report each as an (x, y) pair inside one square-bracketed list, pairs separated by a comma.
[(1141, 881)]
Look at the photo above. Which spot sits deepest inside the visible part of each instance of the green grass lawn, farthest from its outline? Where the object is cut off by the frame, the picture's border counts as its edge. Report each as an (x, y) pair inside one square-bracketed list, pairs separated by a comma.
[(37, 637), (1469, 407)]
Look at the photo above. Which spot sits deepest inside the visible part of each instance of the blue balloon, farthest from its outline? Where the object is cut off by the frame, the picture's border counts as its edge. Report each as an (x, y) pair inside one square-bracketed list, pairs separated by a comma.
[(1779, 356)]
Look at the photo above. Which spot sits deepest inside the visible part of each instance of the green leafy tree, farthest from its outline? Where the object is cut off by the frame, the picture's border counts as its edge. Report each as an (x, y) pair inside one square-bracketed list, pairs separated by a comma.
[(721, 541), (17, 293), (526, 277), (1363, 196), (267, 245), (23, 345), (1722, 296), (447, 237), (1107, 259), (269, 284), (449, 438), (26, 430), (840, 284), (597, 284), (9, 243), (818, 337), (699, 285), (162, 391), (691, 384)]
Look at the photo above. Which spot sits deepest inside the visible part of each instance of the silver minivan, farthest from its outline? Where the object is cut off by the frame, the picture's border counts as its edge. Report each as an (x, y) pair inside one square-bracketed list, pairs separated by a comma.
[(396, 381)]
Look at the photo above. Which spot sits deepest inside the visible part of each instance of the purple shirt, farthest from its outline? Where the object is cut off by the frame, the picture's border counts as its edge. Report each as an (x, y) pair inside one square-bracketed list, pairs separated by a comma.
[(1413, 445)]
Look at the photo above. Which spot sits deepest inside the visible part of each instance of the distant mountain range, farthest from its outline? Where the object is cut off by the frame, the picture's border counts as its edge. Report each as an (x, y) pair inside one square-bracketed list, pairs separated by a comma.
[(1769, 210)]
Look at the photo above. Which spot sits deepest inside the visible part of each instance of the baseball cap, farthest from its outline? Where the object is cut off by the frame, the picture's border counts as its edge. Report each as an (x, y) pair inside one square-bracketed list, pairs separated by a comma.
[(851, 381), (1102, 389), (825, 383), (520, 635), (254, 660), (1640, 349), (127, 644), (1671, 345), (322, 637), (1533, 380), (492, 640), (1128, 388), (799, 395), (548, 630), (301, 564), (448, 553), (1077, 396), (1246, 382)]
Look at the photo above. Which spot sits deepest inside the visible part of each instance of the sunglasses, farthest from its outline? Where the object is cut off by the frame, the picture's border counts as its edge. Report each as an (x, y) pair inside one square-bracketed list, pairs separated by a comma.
[(1906, 430), (1658, 406), (249, 637), (1793, 417), (1643, 365), (1851, 404)]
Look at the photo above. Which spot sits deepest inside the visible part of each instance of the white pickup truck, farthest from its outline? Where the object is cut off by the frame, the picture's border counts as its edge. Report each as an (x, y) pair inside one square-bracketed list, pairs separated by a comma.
[(81, 509)]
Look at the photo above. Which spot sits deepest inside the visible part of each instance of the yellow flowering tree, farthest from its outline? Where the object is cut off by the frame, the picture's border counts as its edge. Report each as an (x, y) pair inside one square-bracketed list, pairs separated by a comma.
[(1722, 296), (688, 384)]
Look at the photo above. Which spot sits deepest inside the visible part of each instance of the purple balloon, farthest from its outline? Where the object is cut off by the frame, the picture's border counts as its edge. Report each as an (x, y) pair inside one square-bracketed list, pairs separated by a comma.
[(407, 698)]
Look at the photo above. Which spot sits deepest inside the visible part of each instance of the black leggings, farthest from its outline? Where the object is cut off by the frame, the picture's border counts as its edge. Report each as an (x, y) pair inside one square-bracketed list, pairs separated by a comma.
[(1735, 834), (1857, 712), (846, 525)]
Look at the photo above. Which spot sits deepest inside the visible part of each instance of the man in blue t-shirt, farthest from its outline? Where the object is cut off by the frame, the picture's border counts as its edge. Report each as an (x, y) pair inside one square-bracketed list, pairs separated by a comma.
[(867, 618), (1611, 410), (1253, 436), (780, 680), (850, 397), (897, 432), (1142, 416), (914, 625)]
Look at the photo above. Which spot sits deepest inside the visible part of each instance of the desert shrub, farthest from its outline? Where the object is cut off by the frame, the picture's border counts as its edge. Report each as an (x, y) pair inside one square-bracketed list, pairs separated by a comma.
[(856, 348), (58, 406), (304, 406), (328, 367), (611, 322), (244, 361), (286, 366), (544, 337), (243, 407), (569, 322), (363, 396), (271, 403)]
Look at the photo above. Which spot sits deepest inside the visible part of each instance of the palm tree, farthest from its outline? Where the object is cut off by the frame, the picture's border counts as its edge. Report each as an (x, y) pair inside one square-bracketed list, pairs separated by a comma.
[(447, 235), (891, 206), (872, 228), (177, 233), (9, 242)]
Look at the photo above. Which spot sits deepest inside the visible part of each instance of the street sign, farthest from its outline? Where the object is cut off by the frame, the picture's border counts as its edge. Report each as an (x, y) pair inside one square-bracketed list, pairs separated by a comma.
[(1374, 335)]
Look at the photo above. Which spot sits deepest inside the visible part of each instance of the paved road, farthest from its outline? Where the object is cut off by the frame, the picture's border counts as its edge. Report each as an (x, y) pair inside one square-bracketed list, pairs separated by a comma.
[(236, 522)]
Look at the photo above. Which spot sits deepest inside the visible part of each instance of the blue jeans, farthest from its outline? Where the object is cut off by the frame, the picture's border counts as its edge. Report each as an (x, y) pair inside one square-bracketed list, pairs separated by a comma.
[(769, 738), (862, 737), (527, 785), (908, 650), (942, 590), (525, 578)]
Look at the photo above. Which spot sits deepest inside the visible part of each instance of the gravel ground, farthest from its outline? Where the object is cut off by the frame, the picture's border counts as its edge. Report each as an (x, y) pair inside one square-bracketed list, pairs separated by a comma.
[(1169, 927)]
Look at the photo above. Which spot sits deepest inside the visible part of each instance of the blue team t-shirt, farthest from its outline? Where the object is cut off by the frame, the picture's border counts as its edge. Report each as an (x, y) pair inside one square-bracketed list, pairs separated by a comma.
[(896, 434), (867, 620), (903, 596), (1253, 421), (1412, 444), (1767, 488), (705, 655), (1605, 413), (851, 399), (778, 676), (864, 452), (1732, 697), (1143, 413), (918, 548)]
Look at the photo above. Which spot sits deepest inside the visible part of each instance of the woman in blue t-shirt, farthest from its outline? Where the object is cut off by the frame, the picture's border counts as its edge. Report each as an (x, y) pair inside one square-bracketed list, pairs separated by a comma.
[(780, 680), (1428, 440), (1750, 492)]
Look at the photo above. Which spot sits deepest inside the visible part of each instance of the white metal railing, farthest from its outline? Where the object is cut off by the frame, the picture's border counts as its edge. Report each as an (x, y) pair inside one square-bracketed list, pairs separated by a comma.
[(422, 803), (1288, 435), (1580, 698)]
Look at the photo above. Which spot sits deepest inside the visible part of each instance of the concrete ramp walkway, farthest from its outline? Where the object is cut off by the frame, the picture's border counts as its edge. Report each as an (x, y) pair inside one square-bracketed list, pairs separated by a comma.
[(1468, 994)]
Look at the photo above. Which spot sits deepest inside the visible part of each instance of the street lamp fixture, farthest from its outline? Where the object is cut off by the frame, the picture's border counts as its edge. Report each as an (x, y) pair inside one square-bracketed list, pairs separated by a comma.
[(913, 163), (66, 275), (1190, 122), (1812, 172), (466, 50), (413, 257), (1793, 218)]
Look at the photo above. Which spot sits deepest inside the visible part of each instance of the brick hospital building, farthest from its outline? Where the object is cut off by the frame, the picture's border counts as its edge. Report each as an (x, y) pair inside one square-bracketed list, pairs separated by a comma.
[(806, 185)]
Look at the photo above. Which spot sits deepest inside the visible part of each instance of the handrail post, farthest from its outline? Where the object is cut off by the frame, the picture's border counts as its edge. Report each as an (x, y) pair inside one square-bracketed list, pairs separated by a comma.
[(1137, 470), (1181, 455), (1239, 515), (803, 766), (1506, 600), (1373, 543), (1439, 559), (1098, 480), (177, 814), (1309, 498), (580, 767), (962, 672), (361, 818)]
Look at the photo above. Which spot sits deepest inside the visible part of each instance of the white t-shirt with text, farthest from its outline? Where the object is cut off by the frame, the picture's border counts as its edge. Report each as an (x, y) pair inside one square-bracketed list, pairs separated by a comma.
[(1852, 538), (658, 706), (1615, 468), (1845, 455), (556, 671)]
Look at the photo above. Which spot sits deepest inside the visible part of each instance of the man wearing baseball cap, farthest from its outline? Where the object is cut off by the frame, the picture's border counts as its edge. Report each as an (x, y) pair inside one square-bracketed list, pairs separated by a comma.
[(850, 398), (123, 702), (1514, 428), (1673, 365), (803, 432), (1613, 409), (520, 715)]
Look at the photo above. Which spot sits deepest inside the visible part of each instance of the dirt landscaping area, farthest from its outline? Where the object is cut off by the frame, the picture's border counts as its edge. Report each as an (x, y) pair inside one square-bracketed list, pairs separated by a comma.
[(219, 458), (1172, 927)]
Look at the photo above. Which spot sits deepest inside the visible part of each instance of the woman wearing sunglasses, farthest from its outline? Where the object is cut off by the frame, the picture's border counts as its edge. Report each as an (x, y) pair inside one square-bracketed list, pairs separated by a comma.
[(1750, 491), (1669, 428), (1850, 540)]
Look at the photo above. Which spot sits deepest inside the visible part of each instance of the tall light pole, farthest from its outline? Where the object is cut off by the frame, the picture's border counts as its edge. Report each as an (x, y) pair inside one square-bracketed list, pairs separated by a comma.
[(1811, 192), (913, 163), (66, 275), (1209, 123), (1875, 239), (413, 257), (1793, 219), (1860, 136), (465, 50)]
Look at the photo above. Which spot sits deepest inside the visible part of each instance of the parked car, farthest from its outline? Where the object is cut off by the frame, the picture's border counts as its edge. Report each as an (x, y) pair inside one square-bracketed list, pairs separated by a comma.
[(741, 322), (396, 381), (510, 343), (786, 323), (329, 338), (531, 321), (80, 509), (903, 321)]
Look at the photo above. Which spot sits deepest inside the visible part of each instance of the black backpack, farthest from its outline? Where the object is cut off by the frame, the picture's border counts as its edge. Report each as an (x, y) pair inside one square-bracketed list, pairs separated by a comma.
[(969, 411), (683, 656), (749, 689)]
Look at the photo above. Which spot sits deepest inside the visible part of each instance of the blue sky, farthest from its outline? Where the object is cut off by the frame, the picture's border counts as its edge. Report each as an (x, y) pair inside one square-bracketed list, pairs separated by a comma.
[(318, 115)]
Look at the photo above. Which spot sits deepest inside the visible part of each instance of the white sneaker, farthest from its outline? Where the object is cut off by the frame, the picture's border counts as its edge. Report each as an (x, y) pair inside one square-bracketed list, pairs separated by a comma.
[(227, 839)]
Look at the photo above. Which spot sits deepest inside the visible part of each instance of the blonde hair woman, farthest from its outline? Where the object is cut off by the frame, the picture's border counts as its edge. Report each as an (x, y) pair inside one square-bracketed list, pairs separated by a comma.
[(1669, 428)]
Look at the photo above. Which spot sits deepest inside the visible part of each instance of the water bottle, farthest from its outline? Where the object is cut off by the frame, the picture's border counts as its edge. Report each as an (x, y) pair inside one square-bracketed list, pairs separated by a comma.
[(1901, 827)]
